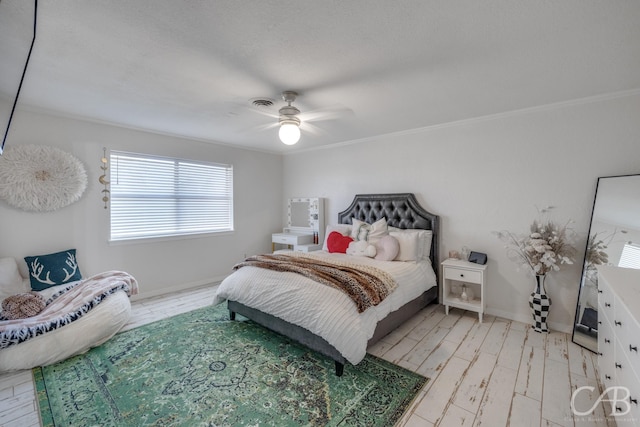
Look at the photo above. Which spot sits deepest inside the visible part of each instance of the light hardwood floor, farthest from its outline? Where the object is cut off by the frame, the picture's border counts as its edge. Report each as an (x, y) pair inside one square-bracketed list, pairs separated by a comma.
[(494, 373)]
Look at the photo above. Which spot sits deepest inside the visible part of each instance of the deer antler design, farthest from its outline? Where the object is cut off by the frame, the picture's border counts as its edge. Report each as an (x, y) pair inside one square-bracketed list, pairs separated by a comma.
[(36, 271), (71, 262)]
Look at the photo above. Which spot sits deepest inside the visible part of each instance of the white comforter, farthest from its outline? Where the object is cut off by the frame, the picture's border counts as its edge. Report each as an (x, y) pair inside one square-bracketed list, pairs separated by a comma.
[(321, 309)]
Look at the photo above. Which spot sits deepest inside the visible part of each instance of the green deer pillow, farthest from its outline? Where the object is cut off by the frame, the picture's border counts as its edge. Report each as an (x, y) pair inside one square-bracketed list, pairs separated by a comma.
[(50, 270)]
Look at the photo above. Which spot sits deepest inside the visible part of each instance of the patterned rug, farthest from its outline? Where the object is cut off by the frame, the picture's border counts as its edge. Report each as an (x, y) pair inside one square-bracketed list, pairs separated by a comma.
[(201, 369)]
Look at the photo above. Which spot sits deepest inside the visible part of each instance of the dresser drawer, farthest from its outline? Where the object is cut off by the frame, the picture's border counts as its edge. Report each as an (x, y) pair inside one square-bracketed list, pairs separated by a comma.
[(625, 402), (628, 334), (606, 303), (462, 275), (606, 349)]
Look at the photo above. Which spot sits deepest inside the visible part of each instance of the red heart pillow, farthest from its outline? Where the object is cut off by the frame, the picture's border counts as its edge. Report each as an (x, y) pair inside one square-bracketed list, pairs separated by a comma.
[(337, 242)]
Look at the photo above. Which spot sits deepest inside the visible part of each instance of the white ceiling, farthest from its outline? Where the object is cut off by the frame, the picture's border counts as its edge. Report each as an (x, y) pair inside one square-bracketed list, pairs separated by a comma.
[(190, 67)]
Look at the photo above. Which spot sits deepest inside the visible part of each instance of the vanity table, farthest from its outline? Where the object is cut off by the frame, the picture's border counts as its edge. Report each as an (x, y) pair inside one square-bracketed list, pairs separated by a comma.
[(305, 225)]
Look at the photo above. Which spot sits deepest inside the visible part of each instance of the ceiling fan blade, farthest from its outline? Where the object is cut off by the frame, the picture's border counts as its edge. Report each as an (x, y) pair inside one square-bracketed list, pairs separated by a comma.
[(329, 113), (264, 112), (307, 127), (262, 128)]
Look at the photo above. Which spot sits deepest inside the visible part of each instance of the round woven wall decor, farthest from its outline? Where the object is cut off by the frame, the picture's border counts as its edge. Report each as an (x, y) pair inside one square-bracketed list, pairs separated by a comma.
[(40, 178)]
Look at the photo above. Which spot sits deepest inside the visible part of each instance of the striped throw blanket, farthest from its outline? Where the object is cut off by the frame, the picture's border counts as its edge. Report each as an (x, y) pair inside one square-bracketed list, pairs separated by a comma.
[(367, 286), (66, 306)]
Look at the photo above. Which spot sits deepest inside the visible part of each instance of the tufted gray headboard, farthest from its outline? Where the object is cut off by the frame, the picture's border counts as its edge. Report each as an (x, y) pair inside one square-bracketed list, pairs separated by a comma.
[(401, 211)]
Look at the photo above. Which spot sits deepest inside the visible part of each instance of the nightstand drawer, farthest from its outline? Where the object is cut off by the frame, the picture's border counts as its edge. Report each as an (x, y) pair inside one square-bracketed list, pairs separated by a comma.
[(462, 275), (307, 248), (291, 238)]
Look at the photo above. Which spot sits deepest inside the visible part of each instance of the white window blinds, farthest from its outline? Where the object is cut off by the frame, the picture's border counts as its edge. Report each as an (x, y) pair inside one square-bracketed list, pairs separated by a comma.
[(630, 257), (162, 196)]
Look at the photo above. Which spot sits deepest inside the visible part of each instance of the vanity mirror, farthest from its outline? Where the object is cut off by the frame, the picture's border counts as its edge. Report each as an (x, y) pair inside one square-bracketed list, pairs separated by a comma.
[(614, 239), (306, 215), (300, 213)]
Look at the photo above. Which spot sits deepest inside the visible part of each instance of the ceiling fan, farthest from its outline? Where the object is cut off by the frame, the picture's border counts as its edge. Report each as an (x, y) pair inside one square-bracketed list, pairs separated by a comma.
[(291, 120)]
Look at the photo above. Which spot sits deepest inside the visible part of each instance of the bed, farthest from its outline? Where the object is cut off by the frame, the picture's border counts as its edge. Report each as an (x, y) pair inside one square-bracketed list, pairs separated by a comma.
[(79, 315), (315, 315)]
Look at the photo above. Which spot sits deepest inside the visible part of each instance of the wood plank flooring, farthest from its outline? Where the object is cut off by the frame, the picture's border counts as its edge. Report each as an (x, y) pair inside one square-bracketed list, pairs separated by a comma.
[(494, 373)]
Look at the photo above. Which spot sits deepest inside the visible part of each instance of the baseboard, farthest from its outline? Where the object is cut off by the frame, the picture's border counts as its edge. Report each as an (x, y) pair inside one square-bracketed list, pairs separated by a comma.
[(554, 326), (151, 293)]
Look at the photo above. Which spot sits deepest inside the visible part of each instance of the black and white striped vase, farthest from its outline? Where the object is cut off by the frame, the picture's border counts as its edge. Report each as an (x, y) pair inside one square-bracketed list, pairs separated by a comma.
[(540, 304)]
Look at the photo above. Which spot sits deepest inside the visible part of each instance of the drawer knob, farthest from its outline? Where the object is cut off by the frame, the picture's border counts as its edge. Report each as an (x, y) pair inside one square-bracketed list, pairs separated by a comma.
[(599, 353), (607, 340), (618, 366), (599, 291), (633, 348), (617, 323), (606, 304), (461, 275), (607, 377), (632, 400)]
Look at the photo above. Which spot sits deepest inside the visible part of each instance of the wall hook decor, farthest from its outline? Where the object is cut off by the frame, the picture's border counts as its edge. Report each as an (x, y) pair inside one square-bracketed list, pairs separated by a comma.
[(105, 167)]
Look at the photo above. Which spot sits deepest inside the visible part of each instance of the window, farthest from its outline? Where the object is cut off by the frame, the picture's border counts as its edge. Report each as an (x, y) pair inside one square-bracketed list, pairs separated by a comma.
[(630, 257), (162, 196)]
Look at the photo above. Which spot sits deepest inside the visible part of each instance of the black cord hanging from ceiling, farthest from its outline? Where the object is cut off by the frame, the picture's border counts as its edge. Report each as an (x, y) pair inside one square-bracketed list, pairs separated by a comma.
[(24, 71)]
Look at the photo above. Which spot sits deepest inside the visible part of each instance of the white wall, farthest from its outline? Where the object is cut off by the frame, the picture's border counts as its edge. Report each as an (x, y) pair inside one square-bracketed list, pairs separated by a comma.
[(487, 175), (480, 176), (159, 266)]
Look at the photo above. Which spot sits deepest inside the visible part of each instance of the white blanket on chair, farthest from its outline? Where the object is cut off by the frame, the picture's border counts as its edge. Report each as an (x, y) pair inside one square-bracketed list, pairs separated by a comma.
[(67, 306)]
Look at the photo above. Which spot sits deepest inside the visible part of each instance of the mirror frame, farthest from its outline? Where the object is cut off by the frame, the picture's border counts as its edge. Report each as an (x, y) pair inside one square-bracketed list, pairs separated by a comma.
[(294, 223), (584, 265)]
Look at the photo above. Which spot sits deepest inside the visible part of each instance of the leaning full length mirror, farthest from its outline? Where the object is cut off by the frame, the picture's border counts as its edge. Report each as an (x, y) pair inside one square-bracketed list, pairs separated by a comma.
[(614, 239)]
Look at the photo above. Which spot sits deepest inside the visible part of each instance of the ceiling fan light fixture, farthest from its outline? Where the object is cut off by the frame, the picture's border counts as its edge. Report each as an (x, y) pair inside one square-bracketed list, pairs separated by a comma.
[(289, 132)]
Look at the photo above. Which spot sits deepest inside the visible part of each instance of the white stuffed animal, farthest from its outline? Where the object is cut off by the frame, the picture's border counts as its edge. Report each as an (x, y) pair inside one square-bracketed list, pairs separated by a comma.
[(361, 248)]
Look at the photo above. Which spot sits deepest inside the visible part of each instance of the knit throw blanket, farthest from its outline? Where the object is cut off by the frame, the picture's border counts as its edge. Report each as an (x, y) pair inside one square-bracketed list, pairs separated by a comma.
[(23, 305), (367, 286), (66, 306)]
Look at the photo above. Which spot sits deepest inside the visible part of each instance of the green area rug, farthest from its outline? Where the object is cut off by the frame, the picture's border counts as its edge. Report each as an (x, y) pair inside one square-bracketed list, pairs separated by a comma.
[(201, 369)]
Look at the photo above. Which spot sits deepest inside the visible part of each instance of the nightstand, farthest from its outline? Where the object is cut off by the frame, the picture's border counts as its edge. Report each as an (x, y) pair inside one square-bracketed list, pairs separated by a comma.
[(463, 286)]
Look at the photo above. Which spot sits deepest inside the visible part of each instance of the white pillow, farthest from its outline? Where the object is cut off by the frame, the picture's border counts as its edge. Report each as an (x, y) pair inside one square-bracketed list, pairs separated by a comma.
[(409, 246), (369, 232), (387, 248), (344, 229), (425, 237), (361, 248), (11, 282)]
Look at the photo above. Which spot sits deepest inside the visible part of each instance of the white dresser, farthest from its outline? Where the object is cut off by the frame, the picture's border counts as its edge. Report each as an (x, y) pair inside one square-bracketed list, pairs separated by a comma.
[(619, 338)]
